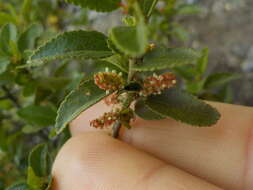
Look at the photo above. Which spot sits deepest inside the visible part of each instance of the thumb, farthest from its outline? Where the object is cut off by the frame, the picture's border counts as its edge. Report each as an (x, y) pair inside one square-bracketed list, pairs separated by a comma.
[(95, 161)]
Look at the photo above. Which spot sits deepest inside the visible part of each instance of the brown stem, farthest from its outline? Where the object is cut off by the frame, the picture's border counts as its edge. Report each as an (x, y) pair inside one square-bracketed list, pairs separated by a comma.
[(116, 129)]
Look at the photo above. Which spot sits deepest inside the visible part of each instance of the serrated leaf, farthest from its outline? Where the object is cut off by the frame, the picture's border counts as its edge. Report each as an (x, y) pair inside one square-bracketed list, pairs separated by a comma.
[(38, 115), (4, 62), (19, 186), (147, 6), (144, 112), (98, 5), (28, 37), (203, 62), (77, 44), (183, 107), (162, 58), (39, 160), (219, 79), (76, 102)]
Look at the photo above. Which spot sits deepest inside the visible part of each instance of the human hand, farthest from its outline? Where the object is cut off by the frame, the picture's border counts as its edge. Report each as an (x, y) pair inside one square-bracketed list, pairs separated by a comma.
[(159, 155)]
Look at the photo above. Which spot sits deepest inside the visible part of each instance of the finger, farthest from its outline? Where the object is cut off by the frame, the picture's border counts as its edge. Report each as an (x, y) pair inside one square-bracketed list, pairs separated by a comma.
[(96, 161), (222, 154)]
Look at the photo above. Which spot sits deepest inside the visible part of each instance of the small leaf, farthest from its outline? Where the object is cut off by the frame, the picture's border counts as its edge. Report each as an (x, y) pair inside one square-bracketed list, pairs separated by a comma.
[(183, 107), (130, 39), (102, 66), (78, 44), (34, 181), (38, 115), (26, 9), (118, 61), (77, 101), (40, 161), (98, 5), (162, 58), (195, 87), (187, 72), (19, 186), (203, 62), (147, 6), (219, 79), (188, 9), (4, 62), (28, 37), (143, 111)]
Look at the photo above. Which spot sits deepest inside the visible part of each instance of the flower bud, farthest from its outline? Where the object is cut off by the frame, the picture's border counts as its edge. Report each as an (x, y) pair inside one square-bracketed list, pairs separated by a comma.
[(105, 120), (109, 81), (157, 83)]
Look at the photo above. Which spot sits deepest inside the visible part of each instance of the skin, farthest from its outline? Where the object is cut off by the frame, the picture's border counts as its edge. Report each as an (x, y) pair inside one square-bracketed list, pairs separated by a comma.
[(159, 155)]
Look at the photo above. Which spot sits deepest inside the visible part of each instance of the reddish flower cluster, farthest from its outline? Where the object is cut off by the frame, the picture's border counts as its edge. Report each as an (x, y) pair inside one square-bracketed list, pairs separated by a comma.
[(112, 99), (109, 81), (106, 120), (157, 83)]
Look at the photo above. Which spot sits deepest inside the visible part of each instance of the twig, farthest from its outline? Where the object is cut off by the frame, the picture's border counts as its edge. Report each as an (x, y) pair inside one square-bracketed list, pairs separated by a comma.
[(116, 129)]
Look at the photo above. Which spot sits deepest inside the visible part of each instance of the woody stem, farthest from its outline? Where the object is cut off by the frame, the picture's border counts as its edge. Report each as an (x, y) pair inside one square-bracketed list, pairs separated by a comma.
[(116, 129), (117, 125)]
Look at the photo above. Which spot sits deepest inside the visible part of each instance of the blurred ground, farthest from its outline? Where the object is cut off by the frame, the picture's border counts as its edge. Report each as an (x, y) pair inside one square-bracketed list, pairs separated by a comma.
[(226, 28)]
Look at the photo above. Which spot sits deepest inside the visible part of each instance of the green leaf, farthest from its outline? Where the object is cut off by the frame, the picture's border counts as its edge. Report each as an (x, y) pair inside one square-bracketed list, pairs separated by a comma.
[(38, 115), (28, 37), (118, 61), (101, 66), (129, 39), (195, 87), (19, 186), (147, 6), (143, 111), (26, 9), (6, 18), (76, 102), (203, 61), (4, 62), (162, 58), (183, 107), (98, 5), (220, 79), (187, 72), (188, 9), (34, 181), (78, 44), (40, 161), (8, 35)]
